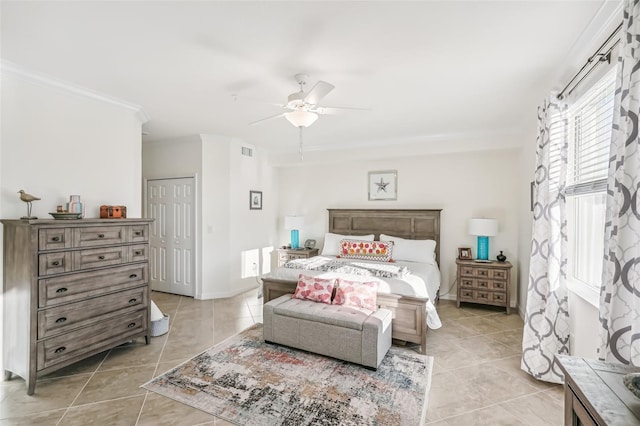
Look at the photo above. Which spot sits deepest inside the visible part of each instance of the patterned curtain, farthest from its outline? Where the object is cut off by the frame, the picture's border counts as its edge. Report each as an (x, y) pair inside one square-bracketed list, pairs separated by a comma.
[(546, 329), (620, 291)]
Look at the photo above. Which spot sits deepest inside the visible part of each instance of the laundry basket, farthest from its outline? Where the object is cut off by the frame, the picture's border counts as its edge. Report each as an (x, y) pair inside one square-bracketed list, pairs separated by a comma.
[(160, 327), (159, 321)]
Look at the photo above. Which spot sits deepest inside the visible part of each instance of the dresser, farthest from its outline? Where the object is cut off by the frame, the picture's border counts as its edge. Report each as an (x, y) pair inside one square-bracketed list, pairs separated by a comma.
[(72, 288), (484, 282), (285, 255), (594, 393)]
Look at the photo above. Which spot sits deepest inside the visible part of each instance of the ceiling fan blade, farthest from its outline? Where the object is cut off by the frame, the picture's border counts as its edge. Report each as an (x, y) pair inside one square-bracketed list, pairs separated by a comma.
[(317, 92), (336, 110), (268, 118)]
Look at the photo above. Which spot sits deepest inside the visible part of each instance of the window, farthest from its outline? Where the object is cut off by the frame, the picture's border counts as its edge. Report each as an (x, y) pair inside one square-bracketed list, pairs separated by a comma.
[(589, 139)]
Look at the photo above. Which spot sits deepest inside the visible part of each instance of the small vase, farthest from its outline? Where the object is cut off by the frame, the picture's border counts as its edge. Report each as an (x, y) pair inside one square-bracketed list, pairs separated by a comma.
[(501, 257), (74, 205)]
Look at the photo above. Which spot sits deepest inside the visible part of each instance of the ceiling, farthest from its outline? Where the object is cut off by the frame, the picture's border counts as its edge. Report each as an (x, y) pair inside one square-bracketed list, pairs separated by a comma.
[(426, 71)]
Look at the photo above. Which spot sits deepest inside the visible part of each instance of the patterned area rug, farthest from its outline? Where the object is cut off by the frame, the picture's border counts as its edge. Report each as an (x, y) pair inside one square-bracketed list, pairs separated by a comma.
[(249, 382)]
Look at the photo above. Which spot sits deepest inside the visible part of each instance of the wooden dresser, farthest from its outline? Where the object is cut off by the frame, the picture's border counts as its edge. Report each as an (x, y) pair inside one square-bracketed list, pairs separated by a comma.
[(487, 283), (72, 288), (285, 255), (595, 395)]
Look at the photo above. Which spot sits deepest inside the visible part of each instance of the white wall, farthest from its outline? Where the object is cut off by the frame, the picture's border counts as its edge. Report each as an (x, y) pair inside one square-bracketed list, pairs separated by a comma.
[(56, 143), (230, 236), (463, 185)]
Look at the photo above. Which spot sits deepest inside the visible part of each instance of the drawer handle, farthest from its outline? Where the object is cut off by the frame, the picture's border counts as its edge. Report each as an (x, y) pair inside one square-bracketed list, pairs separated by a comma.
[(133, 300), (137, 233), (137, 252), (61, 290), (60, 350), (61, 320), (56, 239), (133, 276), (100, 235), (101, 257), (131, 325), (55, 263)]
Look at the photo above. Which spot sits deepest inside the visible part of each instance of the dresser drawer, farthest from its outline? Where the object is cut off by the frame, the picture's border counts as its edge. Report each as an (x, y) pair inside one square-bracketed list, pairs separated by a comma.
[(498, 285), (466, 270), (93, 236), (297, 256), (71, 288), (88, 339), (498, 273), (137, 253), (99, 257), (55, 263), (54, 239), (138, 233), (467, 282), (62, 319)]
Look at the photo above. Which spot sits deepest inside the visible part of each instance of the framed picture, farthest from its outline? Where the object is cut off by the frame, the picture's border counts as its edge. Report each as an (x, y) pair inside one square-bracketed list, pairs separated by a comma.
[(464, 253), (255, 200), (383, 185)]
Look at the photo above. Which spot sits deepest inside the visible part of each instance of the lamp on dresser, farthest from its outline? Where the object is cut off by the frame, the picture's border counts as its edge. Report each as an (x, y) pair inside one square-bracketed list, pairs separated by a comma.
[(294, 224), (483, 229)]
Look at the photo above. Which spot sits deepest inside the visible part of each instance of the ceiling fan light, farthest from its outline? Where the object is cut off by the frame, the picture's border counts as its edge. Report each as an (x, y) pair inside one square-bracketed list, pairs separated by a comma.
[(301, 118)]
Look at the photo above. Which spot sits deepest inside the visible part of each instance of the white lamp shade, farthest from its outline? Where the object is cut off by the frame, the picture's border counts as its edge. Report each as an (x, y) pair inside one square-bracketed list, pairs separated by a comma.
[(293, 222), (301, 118), (483, 227)]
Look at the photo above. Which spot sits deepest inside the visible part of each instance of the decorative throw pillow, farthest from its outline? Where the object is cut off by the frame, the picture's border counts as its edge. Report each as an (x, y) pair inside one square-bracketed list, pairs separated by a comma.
[(331, 245), (366, 250), (423, 251), (357, 294), (314, 288)]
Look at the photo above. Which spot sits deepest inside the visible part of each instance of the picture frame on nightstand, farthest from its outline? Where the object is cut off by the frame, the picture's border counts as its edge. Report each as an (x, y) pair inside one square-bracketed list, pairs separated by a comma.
[(464, 253)]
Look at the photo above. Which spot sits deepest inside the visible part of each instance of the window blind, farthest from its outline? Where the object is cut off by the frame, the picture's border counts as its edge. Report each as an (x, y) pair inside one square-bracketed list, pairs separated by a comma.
[(591, 118)]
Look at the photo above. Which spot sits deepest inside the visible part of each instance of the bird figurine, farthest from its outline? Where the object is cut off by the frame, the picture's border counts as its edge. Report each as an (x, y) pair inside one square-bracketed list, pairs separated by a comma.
[(27, 198)]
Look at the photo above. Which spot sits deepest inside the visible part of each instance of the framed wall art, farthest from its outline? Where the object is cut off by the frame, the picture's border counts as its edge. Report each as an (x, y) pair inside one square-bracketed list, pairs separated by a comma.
[(383, 185), (255, 200)]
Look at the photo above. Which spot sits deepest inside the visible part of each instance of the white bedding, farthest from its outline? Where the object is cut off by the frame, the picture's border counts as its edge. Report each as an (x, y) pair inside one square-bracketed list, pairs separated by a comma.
[(423, 281)]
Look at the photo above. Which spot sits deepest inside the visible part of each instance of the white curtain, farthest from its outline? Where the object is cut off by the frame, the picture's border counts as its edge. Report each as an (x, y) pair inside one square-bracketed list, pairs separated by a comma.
[(620, 292), (546, 329)]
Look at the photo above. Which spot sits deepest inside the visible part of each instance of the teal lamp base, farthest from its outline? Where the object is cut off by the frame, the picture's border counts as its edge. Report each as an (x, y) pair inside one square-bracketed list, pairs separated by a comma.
[(483, 248), (295, 239)]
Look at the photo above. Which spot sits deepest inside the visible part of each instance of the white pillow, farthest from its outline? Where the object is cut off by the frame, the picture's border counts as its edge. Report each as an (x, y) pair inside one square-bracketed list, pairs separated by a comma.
[(423, 251), (332, 242)]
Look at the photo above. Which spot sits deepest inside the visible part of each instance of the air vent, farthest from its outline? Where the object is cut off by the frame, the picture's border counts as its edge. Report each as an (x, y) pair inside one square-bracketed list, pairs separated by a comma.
[(247, 151)]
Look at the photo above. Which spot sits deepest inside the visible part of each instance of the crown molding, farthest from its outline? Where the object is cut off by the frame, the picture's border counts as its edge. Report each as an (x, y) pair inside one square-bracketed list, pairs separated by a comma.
[(48, 81)]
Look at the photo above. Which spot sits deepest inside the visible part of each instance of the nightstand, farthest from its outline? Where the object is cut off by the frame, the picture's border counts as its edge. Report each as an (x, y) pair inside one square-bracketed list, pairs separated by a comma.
[(487, 283), (285, 255)]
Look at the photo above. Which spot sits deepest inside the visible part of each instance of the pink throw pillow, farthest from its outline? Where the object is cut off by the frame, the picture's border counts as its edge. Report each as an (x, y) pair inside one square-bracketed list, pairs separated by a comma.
[(314, 288), (354, 293)]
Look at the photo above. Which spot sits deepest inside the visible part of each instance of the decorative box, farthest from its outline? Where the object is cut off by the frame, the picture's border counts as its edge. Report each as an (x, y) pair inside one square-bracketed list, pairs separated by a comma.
[(113, 212)]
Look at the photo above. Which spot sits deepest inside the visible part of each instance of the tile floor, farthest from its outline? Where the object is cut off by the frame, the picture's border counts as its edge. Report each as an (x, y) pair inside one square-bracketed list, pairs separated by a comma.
[(476, 380)]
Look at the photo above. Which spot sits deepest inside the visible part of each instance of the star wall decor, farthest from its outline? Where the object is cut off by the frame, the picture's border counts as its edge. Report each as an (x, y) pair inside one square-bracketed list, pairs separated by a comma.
[(383, 185)]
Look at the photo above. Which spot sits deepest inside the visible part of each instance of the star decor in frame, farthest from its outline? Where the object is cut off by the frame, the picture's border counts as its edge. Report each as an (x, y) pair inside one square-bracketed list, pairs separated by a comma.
[(383, 185)]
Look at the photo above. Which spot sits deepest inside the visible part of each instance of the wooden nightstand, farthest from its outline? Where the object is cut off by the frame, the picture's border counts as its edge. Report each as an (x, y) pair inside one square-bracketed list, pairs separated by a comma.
[(285, 255), (486, 283)]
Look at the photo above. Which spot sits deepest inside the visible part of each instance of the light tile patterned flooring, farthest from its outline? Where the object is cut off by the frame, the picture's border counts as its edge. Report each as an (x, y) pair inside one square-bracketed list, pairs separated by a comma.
[(476, 380)]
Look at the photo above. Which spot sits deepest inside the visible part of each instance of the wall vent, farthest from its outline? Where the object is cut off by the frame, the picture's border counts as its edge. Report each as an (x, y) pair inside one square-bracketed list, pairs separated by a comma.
[(247, 151)]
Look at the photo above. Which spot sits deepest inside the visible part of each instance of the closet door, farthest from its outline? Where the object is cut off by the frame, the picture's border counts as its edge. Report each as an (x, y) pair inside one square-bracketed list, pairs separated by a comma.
[(172, 238)]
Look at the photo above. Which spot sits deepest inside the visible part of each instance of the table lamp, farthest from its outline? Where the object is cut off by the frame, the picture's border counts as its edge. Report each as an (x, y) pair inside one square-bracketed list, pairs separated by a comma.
[(294, 223), (483, 228)]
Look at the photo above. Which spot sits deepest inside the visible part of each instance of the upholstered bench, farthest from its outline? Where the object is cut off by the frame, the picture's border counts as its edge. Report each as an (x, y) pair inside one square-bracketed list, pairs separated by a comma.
[(347, 333)]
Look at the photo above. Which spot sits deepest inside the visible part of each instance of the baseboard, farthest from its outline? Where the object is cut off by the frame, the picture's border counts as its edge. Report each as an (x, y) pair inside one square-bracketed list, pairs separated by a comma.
[(230, 293)]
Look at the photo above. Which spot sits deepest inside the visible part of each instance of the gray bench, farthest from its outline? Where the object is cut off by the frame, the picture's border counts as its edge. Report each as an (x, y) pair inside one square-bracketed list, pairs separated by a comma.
[(337, 331)]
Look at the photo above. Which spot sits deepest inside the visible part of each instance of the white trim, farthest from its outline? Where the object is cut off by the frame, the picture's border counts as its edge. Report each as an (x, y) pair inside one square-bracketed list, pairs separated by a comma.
[(230, 293), (589, 294), (45, 80)]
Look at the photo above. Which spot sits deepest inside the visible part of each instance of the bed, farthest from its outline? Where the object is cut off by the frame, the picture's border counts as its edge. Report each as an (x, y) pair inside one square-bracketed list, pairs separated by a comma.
[(409, 300)]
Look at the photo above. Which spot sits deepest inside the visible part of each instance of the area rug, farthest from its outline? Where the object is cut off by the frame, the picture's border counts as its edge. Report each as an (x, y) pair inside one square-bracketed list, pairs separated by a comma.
[(249, 382)]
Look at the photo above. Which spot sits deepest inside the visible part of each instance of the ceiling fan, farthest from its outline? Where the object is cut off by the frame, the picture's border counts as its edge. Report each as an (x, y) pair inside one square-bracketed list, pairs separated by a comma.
[(303, 107)]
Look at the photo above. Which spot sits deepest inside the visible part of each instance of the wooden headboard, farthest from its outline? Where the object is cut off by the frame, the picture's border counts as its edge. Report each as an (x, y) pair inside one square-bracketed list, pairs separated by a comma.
[(410, 224)]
